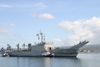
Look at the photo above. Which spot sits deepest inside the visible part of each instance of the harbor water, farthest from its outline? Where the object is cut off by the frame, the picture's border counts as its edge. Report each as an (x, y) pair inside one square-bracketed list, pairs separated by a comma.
[(82, 60)]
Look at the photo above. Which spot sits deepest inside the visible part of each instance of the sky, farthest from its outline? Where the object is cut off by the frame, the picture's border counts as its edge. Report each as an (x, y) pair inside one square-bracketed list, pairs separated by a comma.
[(63, 22)]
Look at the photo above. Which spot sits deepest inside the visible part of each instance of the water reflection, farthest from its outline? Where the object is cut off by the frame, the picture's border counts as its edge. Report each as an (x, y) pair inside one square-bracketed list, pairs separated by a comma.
[(48, 62), (34, 61), (83, 60)]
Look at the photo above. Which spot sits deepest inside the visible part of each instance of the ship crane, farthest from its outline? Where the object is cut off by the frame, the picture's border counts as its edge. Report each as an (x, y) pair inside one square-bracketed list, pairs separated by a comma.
[(9, 47), (18, 48), (24, 45)]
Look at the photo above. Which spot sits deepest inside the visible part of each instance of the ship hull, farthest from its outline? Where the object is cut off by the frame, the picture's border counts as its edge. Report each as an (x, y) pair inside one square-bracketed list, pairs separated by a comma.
[(57, 55), (54, 53)]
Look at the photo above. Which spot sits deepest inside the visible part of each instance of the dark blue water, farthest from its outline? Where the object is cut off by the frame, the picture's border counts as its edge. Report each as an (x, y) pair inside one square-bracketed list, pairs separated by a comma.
[(82, 60)]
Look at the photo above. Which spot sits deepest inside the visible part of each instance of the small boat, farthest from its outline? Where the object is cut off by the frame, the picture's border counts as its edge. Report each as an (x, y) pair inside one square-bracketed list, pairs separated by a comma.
[(5, 55)]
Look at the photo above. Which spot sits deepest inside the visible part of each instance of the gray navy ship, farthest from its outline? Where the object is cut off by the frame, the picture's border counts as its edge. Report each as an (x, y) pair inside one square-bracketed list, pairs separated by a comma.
[(46, 49)]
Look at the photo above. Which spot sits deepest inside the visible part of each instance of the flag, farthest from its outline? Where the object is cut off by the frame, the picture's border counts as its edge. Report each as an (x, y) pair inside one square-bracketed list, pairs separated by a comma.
[(44, 37), (38, 36)]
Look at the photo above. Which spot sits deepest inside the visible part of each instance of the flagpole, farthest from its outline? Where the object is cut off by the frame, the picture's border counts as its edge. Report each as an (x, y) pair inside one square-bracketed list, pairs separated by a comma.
[(41, 36)]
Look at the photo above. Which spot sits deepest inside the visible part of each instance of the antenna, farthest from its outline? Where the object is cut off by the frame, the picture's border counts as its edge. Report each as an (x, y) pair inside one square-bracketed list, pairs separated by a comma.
[(41, 34), (40, 30)]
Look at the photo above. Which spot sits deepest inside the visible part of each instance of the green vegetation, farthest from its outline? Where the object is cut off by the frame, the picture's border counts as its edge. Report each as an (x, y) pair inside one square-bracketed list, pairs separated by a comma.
[(81, 51)]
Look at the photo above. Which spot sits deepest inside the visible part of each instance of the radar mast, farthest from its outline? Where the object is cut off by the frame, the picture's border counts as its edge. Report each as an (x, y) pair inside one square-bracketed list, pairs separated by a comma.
[(41, 35)]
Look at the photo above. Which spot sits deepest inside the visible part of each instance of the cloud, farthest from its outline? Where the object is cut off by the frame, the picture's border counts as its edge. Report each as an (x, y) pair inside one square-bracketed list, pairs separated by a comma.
[(82, 30), (56, 40), (40, 5), (2, 5), (4, 31), (46, 15), (12, 24), (27, 6), (0, 35), (3, 24), (33, 14), (0, 42), (15, 34)]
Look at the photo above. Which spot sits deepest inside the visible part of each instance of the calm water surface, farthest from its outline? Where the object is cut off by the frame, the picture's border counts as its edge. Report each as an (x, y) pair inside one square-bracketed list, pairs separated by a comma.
[(82, 60)]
